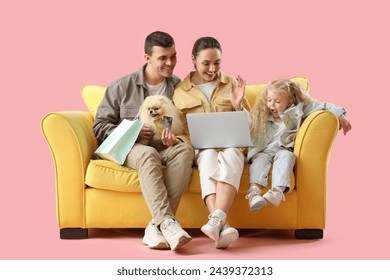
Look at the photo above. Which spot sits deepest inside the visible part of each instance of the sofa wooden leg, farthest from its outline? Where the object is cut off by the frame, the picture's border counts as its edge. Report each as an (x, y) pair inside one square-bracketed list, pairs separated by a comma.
[(309, 233), (73, 233)]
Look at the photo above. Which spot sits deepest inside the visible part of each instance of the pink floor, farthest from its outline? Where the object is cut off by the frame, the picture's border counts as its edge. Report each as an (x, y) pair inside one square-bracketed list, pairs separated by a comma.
[(252, 244)]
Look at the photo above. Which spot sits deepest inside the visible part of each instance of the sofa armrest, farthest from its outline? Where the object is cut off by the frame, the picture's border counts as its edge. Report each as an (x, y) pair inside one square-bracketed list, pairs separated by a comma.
[(312, 148), (71, 141)]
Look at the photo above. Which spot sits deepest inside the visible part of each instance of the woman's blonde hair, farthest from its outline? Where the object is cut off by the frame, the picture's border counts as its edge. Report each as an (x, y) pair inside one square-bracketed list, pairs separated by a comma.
[(260, 111)]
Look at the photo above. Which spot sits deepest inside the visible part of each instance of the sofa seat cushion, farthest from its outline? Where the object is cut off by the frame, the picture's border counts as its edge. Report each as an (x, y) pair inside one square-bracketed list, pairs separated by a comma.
[(107, 175)]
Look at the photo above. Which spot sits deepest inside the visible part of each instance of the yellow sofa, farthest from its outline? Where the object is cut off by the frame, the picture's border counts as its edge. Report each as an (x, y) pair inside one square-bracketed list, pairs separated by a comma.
[(101, 194)]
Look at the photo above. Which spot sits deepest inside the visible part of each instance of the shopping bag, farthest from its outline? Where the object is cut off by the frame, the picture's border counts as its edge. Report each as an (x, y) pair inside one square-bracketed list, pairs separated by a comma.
[(118, 144)]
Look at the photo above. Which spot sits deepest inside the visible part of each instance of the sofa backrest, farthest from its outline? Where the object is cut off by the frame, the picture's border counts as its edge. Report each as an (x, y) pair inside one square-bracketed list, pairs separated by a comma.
[(93, 94)]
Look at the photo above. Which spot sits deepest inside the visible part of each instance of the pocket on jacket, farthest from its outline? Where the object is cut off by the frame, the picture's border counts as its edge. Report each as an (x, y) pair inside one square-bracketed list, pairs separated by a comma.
[(223, 105), (291, 123), (127, 112), (190, 105), (288, 137), (192, 110), (187, 103)]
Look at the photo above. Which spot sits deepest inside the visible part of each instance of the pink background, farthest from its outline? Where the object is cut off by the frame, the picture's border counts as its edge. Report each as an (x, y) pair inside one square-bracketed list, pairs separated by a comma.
[(50, 50)]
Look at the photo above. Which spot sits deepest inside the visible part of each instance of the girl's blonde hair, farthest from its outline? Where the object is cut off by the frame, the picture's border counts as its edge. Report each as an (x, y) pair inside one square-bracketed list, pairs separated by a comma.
[(260, 111)]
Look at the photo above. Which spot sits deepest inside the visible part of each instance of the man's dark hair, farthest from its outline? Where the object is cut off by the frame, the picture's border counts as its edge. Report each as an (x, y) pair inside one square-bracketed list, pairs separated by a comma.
[(159, 39)]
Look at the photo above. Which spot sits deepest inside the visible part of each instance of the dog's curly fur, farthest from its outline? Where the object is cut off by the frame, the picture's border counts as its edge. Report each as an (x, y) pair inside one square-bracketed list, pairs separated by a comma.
[(152, 111)]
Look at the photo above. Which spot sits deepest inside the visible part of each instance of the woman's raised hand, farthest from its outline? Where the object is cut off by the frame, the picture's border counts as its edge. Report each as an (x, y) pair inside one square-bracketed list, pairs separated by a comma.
[(237, 93)]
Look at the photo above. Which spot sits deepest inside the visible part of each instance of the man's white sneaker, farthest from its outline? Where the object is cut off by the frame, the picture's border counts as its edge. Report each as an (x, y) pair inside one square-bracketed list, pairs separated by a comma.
[(154, 238), (255, 200), (227, 236), (213, 227), (174, 234), (274, 196)]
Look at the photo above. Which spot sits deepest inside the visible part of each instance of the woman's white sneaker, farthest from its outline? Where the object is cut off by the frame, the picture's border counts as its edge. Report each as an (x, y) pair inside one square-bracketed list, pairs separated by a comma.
[(216, 221), (227, 236)]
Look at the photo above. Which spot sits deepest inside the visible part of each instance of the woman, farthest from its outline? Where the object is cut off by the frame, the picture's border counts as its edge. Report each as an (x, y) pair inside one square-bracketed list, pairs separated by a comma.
[(207, 89)]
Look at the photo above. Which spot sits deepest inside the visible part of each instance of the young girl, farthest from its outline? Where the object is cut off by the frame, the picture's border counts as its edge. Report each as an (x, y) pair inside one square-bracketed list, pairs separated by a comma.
[(275, 119)]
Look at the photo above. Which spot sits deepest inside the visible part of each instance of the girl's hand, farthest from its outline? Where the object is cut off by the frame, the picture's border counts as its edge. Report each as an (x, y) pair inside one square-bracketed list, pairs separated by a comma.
[(237, 93), (344, 124), (168, 138)]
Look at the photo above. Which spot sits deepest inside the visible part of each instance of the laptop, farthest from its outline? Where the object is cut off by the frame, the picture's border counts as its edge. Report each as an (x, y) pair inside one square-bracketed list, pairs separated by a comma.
[(219, 130)]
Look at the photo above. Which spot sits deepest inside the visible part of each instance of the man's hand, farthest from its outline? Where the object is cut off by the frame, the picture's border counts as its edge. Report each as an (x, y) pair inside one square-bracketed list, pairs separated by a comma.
[(145, 134), (168, 138)]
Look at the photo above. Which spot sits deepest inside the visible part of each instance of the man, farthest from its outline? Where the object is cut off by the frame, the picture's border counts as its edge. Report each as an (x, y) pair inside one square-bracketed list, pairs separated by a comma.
[(122, 100)]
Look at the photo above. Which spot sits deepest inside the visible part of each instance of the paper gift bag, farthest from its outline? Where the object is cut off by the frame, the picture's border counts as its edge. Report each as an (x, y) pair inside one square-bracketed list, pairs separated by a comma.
[(118, 144)]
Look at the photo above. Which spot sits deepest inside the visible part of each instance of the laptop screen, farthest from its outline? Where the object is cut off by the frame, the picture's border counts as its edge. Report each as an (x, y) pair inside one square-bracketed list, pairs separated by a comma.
[(219, 130)]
